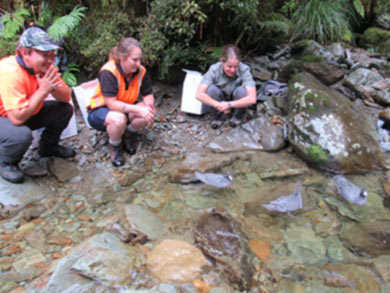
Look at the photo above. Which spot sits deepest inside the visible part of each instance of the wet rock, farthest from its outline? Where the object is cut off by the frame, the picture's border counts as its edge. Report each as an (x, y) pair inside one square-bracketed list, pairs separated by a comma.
[(373, 210), (108, 267), (355, 277), (372, 238), (382, 265), (257, 134), (183, 172), (337, 50), (305, 246), (14, 197), (28, 263), (327, 132), (220, 238), (175, 261), (33, 212), (63, 170), (65, 278), (136, 219)]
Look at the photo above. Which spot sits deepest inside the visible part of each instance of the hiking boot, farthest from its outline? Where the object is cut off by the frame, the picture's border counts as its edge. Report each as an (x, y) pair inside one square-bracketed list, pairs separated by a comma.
[(130, 142), (234, 122), (116, 154), (218, 121), (11, 173), (48, 150)]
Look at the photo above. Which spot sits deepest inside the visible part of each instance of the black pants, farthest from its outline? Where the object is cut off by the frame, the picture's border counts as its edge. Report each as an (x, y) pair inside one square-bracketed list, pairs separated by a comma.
[(15, 140)]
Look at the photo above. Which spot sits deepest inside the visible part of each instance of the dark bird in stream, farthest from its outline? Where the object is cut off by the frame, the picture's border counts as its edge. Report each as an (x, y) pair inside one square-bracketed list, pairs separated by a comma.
[(350, 191), (215, 180), (287, 203)]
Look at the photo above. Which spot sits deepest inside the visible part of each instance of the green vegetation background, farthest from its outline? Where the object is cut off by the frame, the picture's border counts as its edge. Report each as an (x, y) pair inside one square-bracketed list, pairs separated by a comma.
[(178, 34)]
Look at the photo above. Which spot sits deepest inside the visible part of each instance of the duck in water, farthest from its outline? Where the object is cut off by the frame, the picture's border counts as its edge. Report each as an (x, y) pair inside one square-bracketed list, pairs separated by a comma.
[(350, 191), (287, 203), (215, 180)]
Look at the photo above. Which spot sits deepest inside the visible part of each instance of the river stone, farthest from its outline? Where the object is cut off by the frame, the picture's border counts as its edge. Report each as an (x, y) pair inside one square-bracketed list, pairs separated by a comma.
[(372, 211), (63, 170), (138, 219), (383, 20), (183, 172), (367, 83), (304, 48), (336, 251), (257, 134), (305, 246), (64, 279), (382, 265), (220, 238), (109, 268), (175, 261), (372, 238), (359, 279), (326, 130)]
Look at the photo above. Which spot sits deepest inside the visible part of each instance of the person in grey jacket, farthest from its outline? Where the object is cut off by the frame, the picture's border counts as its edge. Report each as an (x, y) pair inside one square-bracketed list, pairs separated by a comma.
[(227, 86)]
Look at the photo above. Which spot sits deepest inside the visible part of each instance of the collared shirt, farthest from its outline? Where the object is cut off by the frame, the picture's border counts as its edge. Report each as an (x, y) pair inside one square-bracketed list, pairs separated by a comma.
[(215, 75), (17, 84)]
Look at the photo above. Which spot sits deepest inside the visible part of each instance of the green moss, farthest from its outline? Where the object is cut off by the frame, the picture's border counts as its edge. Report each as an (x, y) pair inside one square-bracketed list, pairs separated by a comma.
[(317, 154), (374, 37), (312, 58), (301, 44)]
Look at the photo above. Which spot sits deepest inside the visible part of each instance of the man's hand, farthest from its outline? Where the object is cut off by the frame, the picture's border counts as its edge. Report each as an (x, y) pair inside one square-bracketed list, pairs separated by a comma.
[(49, 81)]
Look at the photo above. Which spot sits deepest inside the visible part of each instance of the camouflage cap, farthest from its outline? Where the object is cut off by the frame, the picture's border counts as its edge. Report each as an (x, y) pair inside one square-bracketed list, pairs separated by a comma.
[(37, 38)]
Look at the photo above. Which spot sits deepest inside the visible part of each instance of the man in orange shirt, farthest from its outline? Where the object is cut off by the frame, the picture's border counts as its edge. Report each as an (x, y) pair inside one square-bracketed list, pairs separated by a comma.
[(26, 80)]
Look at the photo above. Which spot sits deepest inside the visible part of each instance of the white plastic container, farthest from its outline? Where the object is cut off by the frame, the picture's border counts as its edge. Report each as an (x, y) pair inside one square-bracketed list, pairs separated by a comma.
[(189, 103)]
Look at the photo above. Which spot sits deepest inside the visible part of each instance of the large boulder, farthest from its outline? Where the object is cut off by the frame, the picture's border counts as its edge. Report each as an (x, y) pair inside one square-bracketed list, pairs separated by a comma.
[(327, 131)]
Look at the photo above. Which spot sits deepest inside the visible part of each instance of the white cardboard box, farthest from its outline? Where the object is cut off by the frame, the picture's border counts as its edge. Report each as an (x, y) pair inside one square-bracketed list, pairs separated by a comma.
[(189, 103), (83, 94)]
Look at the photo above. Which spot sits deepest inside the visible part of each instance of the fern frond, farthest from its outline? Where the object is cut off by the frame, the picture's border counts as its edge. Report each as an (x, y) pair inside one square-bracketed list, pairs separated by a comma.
[(65, 24), (276, 26), (13, 23)]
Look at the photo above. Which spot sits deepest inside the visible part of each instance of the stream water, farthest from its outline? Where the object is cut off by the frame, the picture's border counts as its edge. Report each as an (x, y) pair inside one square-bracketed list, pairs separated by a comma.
[(327, 246)]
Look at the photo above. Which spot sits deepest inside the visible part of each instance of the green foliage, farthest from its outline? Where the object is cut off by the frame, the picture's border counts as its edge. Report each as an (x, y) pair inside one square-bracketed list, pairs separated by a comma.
[(322, 20), (289, 7), (7, 47), (357, 4), (167, 31), (64, 25), (68, 75), (13, 23), (101, 32)]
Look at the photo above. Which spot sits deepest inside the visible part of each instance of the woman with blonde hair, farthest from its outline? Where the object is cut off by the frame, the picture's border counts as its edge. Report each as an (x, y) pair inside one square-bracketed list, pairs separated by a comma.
[(228, 86), (114, 107)]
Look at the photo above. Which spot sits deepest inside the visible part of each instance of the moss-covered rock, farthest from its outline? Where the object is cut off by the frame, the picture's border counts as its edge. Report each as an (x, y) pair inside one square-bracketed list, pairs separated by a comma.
[(327, 131), (374, 37)]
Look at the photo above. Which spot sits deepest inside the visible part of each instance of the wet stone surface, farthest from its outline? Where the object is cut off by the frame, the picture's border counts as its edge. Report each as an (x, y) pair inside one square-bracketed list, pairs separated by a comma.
[(90, 227)]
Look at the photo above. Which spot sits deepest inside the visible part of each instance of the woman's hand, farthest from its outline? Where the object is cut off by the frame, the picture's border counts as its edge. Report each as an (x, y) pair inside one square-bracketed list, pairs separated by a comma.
[(147, 113), (223, 107)]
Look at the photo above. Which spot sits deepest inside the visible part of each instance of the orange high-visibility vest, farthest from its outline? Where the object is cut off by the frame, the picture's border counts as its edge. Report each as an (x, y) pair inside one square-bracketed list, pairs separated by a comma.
[(128, 95)]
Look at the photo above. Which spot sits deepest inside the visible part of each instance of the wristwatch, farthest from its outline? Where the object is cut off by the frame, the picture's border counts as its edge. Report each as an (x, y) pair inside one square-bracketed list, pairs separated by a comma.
[(229, 105)]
